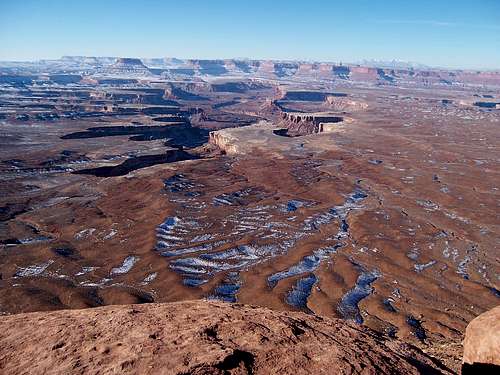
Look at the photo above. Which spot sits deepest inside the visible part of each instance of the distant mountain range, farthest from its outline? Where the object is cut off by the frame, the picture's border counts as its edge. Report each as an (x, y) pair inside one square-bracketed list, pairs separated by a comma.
[(393, 64), (372, 71)]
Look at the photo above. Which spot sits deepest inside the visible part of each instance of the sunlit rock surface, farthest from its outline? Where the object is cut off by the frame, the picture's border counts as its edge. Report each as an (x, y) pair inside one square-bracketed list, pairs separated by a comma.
[(199, 338)]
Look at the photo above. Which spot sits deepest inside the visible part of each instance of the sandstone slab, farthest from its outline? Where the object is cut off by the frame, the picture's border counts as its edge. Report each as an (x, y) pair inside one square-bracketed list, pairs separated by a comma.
[(199, 337)]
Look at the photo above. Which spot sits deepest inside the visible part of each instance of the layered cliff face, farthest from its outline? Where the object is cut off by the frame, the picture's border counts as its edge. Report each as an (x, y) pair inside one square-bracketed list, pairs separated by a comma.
[(238, 87), (320, 70), (184, 91), (266, 68), (368, 74), (307, 123), (199, 337), (187, 91), (225, 141), (145, 96)]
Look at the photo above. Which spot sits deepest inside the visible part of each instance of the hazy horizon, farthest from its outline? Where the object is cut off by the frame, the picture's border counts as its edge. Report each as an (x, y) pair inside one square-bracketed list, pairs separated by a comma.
[(367, 61), (447, 34)]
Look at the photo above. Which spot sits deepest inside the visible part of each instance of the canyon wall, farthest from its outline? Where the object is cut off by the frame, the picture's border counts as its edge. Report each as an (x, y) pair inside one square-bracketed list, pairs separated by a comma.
[(225, 141), (307, 123)]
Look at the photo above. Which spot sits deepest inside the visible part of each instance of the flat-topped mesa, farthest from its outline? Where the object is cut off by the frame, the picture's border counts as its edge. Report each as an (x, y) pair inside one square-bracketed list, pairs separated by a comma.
[(299, 123), (314, 68), (127, 65)]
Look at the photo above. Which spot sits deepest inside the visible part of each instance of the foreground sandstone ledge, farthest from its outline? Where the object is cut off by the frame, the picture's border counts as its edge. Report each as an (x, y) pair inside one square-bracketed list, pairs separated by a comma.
[(482, 343), (198, 337)]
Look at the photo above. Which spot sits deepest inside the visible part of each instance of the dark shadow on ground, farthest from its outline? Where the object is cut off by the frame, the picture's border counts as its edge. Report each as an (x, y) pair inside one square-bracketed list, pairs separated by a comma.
[(177, 135), (138, 162)]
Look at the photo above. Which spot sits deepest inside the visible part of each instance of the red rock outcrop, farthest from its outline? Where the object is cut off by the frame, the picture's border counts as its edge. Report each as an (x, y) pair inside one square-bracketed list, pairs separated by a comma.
[(306, 123), (482, 343), (199, 337), (362, 73)]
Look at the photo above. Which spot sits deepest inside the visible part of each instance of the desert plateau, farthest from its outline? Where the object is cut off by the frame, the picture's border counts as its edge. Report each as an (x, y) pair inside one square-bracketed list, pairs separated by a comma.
[(248, 216)]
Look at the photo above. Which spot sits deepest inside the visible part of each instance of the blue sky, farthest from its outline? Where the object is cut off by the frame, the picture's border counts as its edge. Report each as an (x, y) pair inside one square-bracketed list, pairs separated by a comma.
[(439, 33)]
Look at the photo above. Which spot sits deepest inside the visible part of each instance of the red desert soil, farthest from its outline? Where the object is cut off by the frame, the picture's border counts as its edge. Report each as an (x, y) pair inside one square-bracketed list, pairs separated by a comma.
[(199, 337)]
